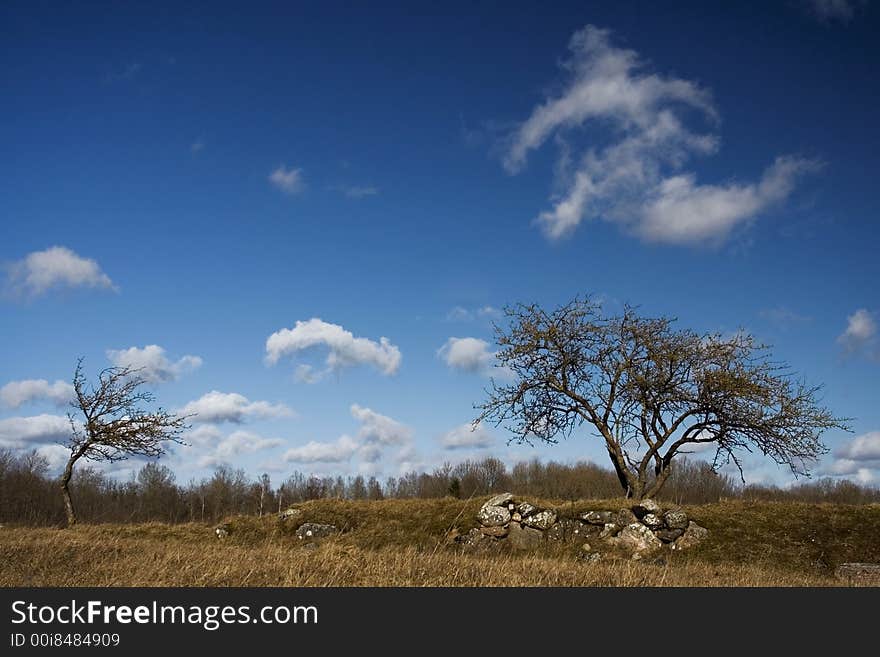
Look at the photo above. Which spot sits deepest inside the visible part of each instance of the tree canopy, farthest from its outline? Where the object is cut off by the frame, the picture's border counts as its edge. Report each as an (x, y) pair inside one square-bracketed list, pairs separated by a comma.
[(651, 391)]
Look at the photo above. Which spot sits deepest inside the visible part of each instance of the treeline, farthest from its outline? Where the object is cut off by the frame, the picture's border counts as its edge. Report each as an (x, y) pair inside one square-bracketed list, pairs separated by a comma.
[(29, 495)]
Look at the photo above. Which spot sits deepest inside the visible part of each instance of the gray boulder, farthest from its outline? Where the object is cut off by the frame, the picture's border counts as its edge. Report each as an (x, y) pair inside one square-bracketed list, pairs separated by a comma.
[(597, 517), (495, 532), (859, 573), (625, 517), (570, 530), (652, 521), (637, 539), (645, 507), (541, 520), (314, 530), (525, 509), (693, 535), (524, 538), (222, 531), (676, 519), (290, 514), (668, 535), (610, 529), (493, 516), (500, 500)]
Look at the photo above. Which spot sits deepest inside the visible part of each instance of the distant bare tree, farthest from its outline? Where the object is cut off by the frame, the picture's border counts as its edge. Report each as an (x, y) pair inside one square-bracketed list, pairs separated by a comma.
[(651, 392), (108, 423)]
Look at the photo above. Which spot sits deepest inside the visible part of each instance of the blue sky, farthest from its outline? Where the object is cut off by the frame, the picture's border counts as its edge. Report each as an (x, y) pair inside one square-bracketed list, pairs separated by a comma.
[(181, 184)]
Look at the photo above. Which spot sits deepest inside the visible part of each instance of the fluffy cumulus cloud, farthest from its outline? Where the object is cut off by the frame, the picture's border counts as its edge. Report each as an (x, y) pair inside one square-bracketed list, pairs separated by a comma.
[(635, 179), (858, 458), (345, 349), (55, 268), (861, 331), (473, 356), (467, 436), (17, 393), (228, 448), (338, 451), (152, 362), (381, 429), (289, 181), (56, 457), (18, 432), (379, 439), (215, 406)]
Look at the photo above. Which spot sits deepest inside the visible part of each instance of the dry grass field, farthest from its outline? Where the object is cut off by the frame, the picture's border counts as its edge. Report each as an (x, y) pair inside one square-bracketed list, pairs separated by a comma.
[(403, 543)]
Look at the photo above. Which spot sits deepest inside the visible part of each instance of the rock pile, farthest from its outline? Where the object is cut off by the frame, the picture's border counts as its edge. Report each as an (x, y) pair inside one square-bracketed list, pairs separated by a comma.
[(639, 530)]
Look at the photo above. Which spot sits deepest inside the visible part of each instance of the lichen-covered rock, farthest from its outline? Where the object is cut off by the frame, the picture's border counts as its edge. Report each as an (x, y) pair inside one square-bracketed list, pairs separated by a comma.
[(315, 530), (610, 529), (222, 531), (493, 516), (495, 532), (515, 516), (597, 517), (500, 500), (645, 507), (290, 514), (590, 557), (637, 539), (652, 521), (524, 538), (541, 520), (624, 517), (525, 509), (471, 538), (569, 530), (676, 519), (668, 535), (693, 535), (859, 573)]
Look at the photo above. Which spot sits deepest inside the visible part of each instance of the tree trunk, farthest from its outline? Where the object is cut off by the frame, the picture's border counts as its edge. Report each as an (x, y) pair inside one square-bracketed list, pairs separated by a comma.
[(65, 491)]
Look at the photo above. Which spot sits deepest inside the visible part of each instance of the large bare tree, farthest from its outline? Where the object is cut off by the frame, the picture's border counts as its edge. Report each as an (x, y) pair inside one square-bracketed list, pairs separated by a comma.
[(651, 392), (109, 424)]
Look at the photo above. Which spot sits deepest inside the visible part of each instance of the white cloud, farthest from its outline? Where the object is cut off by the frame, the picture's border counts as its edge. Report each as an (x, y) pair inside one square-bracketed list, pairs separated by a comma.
[(56, 267), (467, 436), (865, 447), (56, 456), (218, 406), (16, 432), (378, 428), (154, 366), (345, 349), (460, 314), (315, 452), (628, 181), (237, 443), (16, 393), (357, 191), (467, 354), (289, 181), (834, 10), (861, 329)]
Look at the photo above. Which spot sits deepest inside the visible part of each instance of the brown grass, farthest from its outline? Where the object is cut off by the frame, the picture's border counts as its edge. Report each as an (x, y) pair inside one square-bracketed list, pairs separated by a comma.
[(401, 543)]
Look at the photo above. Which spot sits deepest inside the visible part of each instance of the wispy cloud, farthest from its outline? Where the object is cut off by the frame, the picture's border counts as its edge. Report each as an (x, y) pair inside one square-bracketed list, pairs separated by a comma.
[(55, 268), (288, 180), (828, 11), (636, 180), (356, 191), (467, 436), (461, 314)]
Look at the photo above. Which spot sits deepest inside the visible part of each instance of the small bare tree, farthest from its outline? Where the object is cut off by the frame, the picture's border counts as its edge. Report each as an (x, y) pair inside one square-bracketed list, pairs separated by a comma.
[(651, 392), (108, 423)]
